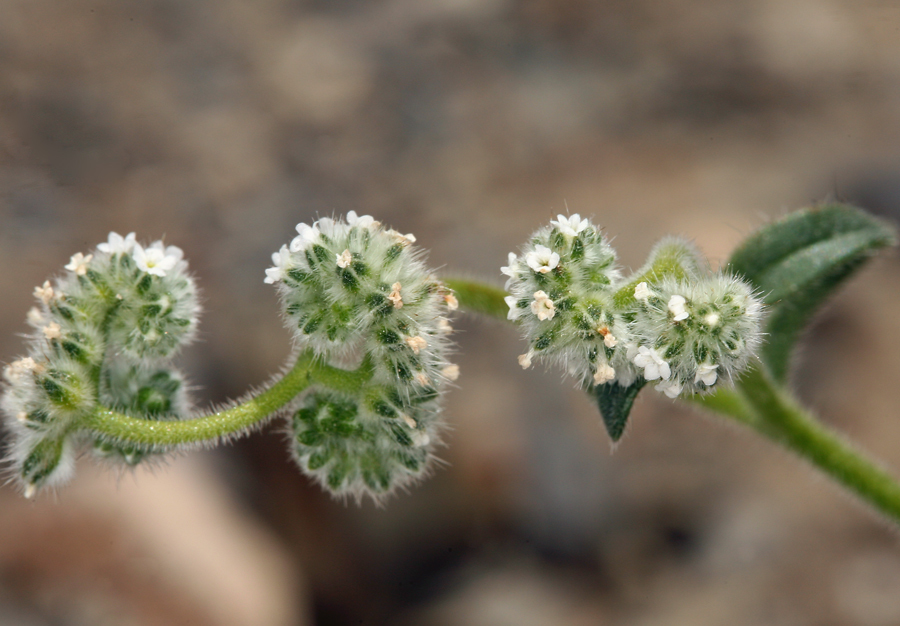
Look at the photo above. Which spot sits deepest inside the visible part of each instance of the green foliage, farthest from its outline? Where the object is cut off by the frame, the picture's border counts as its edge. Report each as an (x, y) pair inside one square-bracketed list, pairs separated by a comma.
[(798, 261)]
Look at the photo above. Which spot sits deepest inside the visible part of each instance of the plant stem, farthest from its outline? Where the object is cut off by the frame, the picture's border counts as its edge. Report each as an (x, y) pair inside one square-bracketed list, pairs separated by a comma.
[(221, 424), (773, 412), (479, 297)]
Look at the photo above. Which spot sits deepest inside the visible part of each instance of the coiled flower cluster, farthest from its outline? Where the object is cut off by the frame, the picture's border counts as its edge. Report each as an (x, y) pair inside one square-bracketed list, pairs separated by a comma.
[(102, 335), (670, 322), (358, 295)]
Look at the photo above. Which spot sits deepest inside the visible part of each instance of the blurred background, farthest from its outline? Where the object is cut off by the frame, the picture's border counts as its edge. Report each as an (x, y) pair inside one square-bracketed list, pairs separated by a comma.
[(221, 124)]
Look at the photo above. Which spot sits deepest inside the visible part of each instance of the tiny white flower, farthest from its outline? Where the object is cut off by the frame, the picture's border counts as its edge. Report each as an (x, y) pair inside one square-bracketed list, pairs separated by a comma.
[(609, 340), (417, 343), (35, 317), (604, 374), (642, 292), (45, 292), (542, 259), (676, 306), (570, 226), (395, 296), (79, 263), (670, 387), (444, 325), (157, 259), (543, 306), (422, 379), (118, 244), (420, 439), (30, 490), (511, 265), (408, 420), (17, 369), (308, 234), (512, 303), (282, 260), (361, 221), (711, 319), (344, 258), (52, 331), (451, 301), (707, 374), (406, 239), (22, 416), (525, 360), (653, 364), (451, 372)]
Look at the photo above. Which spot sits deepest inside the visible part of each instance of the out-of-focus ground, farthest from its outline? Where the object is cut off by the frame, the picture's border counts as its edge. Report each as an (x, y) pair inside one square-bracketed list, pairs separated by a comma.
[(220, 125)]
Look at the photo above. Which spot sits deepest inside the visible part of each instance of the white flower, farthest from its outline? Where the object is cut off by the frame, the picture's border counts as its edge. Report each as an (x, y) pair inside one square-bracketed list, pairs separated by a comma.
[(417, 343), (570, 226), (707, 374), (642, 292), (361, 221), (604, 374), (510, 268), (444, 325), (117, 244), (157, 259), (395, 296), (422, 379), (52, 331), (711, 319), (344, 258), (35, 317), (79, 263), (543, 306), (512, 303), (451, 372), (17, 369), (308, 234), (609, 340), (420, 439), (44, 293), (282, 260), (406, 239), (676, 306), (451, 301), (542, 259), (670, 387), (408, 420), (525, 360), (653, 364)]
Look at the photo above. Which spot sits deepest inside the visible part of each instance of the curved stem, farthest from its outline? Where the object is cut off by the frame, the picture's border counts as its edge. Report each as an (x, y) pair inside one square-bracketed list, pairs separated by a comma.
[(773, 412), (305, 371)]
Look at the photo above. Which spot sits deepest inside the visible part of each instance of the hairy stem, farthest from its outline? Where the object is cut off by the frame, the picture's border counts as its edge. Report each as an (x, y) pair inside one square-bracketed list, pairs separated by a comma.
[(478, 297), (773, 412), (221, 424)]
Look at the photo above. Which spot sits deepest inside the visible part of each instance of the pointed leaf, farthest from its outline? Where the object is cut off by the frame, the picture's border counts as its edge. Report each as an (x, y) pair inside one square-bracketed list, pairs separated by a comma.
[(615, 404), (798, 261)]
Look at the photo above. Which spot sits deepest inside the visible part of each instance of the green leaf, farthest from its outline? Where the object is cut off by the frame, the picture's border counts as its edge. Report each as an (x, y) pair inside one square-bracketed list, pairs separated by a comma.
[(615, 402), (798, 261)]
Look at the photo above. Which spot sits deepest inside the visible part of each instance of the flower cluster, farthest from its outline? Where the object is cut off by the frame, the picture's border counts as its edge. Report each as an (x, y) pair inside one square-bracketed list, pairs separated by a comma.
[(562, 290), (359, 295), (101, 333), (670, 322)]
